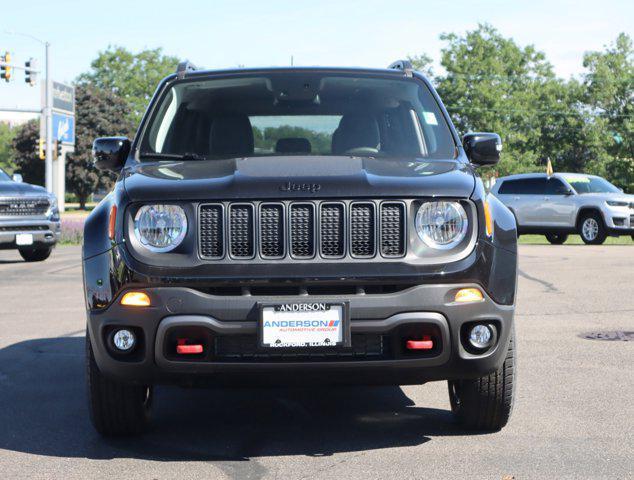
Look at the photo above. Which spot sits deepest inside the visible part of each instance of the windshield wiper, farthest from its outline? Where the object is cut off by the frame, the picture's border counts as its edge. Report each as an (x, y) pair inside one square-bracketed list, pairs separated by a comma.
[(173, 156)]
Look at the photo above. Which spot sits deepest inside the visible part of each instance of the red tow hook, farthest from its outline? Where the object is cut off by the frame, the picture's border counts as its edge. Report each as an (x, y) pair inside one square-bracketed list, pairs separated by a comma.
[(426, 343), (183, 349)]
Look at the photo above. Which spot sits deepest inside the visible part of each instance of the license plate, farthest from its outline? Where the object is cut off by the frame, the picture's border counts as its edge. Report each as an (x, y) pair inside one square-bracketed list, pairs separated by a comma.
[(304, 325), (24, 239)]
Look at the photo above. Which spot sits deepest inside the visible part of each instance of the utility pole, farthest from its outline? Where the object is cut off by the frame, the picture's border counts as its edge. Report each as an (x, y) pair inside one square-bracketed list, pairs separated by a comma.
[(48, 114), (47, 110)]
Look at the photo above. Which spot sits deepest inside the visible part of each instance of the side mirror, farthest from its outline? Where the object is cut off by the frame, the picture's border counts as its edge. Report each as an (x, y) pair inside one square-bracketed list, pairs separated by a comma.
[(109, 153), (569, 192), (17, 178), (482, 148)]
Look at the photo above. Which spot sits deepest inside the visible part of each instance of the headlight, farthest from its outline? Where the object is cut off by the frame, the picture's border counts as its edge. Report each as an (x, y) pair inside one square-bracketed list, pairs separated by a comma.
[(160, 228), (616, 203), (441, 225), (52, 206)]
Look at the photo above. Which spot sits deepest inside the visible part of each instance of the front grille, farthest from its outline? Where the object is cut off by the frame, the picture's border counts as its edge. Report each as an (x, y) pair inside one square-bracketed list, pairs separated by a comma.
[(272, 230), (24, 228), (392, 229), (302, 223), (17, 207), (245, 348), (241, 238), (362, 230), (306, 290), (211, 231), (303, 230), (332, 230)]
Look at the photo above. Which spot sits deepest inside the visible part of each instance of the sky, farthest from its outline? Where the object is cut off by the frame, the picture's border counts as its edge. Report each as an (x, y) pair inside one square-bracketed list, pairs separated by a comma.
[(221, 34)]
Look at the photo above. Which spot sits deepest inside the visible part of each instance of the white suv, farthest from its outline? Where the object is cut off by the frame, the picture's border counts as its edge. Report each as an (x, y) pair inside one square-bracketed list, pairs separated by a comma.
[(565, 203)]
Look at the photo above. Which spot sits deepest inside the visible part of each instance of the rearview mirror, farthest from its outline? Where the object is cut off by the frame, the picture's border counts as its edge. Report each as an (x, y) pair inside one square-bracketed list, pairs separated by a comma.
[(482, 148), (17, 178), (109, 153)]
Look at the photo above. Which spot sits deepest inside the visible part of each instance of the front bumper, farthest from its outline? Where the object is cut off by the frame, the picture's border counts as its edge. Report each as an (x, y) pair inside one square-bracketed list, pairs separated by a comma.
[(45, 232), (619, 220), (428, 307)]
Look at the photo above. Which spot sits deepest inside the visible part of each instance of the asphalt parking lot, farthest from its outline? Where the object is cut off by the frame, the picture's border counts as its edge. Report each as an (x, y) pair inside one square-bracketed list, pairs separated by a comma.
[(573, 417)]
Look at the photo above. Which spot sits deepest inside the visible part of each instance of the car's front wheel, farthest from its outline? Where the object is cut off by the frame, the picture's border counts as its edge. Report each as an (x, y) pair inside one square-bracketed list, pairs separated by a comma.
[(591, 229), (486, 403), (35, 254), (116, 408), (556, 238)]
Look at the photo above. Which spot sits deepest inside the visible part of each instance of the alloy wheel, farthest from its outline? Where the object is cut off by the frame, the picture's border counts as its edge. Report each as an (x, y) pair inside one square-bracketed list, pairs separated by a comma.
[(590, 229)]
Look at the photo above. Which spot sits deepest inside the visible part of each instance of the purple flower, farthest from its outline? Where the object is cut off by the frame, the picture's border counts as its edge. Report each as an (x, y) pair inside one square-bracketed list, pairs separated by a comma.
[(72, 231)]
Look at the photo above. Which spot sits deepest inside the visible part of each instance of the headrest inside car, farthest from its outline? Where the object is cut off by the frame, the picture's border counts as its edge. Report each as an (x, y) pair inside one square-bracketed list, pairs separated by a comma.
[(231, 135), (355, 131), (293, 145)]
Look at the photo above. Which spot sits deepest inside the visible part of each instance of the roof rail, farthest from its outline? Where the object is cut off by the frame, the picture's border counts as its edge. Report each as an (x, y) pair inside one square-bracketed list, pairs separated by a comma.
[(404, 65), (183, 68)]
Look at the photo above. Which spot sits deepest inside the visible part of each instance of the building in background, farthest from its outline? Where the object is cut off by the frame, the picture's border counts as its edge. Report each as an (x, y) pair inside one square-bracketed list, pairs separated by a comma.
[(15, 119)]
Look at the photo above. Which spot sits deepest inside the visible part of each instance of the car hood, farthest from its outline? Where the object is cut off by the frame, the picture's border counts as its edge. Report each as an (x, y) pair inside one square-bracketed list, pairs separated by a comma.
[(21, 189), (298, 177), (617, 197)]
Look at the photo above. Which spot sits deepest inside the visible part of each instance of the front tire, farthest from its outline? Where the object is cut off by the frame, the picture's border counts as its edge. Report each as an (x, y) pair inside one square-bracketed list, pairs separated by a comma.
[(486, 403), (591, 229), (35, 254), (556, 238), (116, 408)]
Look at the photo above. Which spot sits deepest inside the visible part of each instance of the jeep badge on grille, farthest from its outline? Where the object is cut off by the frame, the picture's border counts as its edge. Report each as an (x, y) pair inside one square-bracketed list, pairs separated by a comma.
[(300, 187)]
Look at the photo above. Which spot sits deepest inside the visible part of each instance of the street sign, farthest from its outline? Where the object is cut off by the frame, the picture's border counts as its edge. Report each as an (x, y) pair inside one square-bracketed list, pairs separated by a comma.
[(64, 128), (63, 97), (63, 107)]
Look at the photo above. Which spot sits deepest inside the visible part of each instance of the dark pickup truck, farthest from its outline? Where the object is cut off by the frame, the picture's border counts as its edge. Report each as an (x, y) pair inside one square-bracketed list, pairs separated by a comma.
[(29, 219), (298, 226)]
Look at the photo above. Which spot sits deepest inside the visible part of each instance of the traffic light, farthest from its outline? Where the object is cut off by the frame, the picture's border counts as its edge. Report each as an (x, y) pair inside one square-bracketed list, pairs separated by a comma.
[(58, 149), (5, 68), (42, 149), (30, 71)]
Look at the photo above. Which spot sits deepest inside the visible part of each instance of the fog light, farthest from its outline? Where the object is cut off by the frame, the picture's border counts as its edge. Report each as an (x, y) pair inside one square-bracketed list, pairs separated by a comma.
[(480, 336), (124, 340)]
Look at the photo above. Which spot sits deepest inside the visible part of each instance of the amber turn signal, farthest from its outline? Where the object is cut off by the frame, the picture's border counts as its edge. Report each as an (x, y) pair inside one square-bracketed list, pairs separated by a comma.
[(136, 299), (488, 220), (112, 222), (466, 295)]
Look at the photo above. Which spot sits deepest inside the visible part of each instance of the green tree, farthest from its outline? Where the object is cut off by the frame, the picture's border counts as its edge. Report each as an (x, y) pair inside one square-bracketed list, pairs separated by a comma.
[(26, 158), (493, 84), (568, 135), (266, 139), (422, 63), (131, 76), (609, 84), (98, 113), (6, 153)]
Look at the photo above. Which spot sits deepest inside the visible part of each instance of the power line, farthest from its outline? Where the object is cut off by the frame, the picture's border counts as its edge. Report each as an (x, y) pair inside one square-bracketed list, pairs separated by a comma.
[(541, 112), (528, 77)]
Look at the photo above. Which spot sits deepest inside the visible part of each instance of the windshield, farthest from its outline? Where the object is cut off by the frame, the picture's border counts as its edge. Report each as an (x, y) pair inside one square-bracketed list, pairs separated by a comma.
[(4, 177), (298, 113), (591, 185)]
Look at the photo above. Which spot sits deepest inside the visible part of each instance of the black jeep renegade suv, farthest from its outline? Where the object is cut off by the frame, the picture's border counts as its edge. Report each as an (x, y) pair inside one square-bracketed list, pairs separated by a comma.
[(298, 225)]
